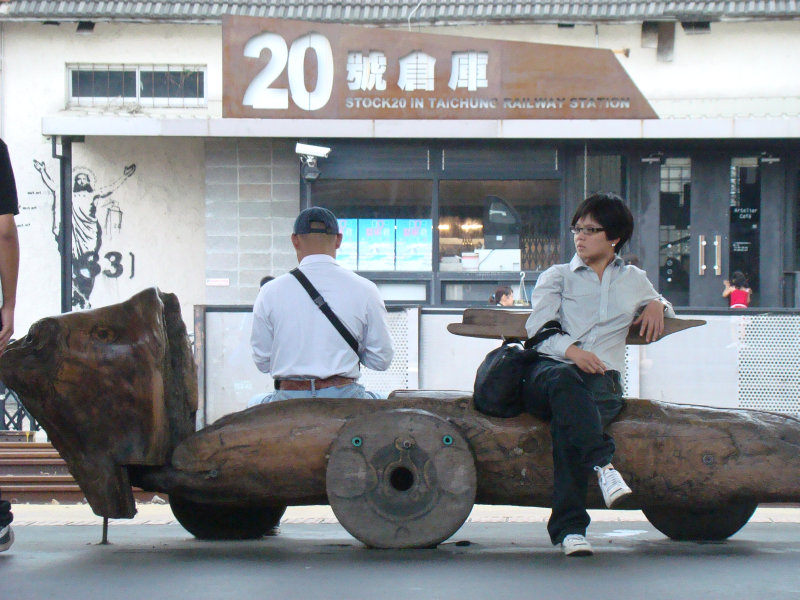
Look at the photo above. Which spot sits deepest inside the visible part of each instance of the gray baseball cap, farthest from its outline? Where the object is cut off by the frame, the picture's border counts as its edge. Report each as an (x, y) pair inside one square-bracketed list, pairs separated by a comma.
[(316, 220)]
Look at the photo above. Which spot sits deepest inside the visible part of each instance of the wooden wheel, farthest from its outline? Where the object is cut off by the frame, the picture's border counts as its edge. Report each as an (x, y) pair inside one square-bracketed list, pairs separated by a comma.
[(686, 524), (401, 479), (214, 522)]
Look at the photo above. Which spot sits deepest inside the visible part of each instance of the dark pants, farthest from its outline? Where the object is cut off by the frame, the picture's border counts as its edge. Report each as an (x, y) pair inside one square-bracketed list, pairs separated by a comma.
[(5, 513), (578, 405)]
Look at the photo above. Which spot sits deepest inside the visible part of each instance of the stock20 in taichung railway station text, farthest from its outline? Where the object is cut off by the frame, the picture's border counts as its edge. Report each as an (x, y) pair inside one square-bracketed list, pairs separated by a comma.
[(296, 69), (356, 102)]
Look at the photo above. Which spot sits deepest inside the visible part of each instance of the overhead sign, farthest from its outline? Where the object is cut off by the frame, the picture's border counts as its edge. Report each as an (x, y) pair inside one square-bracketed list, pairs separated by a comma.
[(281, 69)]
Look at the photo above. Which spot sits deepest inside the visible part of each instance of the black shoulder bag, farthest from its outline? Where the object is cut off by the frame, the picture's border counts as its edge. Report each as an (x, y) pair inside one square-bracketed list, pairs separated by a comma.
[(498, 381), (326, 310)]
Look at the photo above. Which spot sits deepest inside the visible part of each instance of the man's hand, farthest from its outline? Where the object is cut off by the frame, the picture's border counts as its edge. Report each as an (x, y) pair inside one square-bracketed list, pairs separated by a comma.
[(651, 321), (588, 362), (7, 316)]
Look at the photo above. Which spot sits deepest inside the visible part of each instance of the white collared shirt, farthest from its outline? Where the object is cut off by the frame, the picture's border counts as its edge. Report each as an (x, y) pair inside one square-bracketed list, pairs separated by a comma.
[(594, 313), (292, 338)]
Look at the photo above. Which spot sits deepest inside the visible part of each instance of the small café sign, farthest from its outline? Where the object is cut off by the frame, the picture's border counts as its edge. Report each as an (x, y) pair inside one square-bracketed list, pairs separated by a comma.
[(282, 69)]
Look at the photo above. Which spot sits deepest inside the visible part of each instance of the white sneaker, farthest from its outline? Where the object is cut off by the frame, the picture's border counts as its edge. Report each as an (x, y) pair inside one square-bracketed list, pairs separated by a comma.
[(576, 545), (611, 484), (6, 538)]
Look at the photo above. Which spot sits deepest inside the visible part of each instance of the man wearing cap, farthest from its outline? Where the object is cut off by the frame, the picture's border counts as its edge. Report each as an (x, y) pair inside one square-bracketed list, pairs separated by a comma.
[(296, 343)]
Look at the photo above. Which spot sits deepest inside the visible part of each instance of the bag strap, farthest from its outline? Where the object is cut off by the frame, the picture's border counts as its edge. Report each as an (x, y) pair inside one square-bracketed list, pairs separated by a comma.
[(326, 310), (547, 330)]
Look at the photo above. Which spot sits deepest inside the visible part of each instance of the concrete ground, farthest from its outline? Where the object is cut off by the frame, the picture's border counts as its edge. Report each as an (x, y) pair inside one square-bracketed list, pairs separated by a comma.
[(501, 552), (159, 513)]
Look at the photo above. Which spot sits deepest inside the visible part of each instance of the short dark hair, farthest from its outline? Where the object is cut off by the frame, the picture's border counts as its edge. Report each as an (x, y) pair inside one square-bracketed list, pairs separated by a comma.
[(502, 290), (739, 280), (610, 211)]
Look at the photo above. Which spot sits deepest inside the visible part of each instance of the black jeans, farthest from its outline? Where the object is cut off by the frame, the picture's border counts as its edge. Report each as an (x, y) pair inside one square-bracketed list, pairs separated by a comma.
[(5, 513), (578, 405)]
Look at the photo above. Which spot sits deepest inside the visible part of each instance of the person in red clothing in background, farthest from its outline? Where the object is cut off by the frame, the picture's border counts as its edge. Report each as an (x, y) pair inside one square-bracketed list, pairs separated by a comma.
[(737, 291)]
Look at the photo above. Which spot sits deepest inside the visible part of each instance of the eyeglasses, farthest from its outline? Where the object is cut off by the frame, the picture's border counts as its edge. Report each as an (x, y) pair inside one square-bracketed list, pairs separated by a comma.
[(586, 230)]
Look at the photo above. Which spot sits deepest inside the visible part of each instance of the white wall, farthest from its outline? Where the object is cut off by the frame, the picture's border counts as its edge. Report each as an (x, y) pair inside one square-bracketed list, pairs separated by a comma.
[(163, 220), (738, 69), (162, 204)]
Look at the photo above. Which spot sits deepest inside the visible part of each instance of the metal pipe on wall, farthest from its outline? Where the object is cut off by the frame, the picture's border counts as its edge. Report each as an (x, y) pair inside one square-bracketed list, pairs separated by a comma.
[(65, 231)]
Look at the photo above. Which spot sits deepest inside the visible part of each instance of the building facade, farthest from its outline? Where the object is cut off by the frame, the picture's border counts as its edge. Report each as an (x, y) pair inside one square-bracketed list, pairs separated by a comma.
[(129, 119)]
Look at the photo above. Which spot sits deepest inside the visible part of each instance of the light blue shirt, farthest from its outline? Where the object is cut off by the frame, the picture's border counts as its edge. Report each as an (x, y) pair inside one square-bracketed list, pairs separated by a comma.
[(595, 314)]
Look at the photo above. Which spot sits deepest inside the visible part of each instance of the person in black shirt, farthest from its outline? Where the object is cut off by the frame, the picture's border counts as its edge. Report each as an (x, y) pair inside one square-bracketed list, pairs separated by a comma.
[(9, 268)]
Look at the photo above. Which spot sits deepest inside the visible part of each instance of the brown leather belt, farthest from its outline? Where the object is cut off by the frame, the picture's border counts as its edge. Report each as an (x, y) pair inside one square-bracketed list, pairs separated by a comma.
[(305, 384)]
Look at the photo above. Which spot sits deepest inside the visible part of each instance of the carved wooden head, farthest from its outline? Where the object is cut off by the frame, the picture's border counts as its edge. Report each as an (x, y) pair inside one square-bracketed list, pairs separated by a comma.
[(112, 386)]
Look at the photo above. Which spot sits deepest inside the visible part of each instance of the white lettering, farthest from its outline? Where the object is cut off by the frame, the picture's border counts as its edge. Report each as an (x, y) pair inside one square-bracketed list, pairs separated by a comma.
[(416, 72), (366, 72), (378, 103), (468, 70), (258, 93), (319, 96)]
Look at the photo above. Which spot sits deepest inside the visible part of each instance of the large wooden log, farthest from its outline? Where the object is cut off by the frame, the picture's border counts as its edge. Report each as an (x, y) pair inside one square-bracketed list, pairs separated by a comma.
[(112, 387), (672, 455)]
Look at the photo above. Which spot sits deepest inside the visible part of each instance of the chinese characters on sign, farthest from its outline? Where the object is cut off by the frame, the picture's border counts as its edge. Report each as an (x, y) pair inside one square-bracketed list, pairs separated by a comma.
[(468, 70), (366, 72), (294, 69)]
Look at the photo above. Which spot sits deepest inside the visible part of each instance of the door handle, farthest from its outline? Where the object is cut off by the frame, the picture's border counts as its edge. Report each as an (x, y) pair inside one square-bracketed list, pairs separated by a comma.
[(701, 254), (717, 255)]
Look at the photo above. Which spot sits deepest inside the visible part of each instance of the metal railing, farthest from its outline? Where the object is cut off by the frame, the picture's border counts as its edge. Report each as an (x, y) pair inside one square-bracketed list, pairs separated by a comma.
[(15, 415)]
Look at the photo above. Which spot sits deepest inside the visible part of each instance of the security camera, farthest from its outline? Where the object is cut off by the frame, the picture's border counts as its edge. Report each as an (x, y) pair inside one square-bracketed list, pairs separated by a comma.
[(309, 150)]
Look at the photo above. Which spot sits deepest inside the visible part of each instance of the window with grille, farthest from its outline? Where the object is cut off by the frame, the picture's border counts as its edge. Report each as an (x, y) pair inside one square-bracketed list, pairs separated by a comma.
[(142, 85)]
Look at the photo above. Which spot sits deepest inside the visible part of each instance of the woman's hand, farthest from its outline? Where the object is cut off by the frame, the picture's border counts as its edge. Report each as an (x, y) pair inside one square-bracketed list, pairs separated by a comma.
[(588, 362), (651, 321)]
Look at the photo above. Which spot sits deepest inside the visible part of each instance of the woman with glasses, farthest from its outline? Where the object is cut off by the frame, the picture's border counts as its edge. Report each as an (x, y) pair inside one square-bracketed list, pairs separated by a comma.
[(576, 384)]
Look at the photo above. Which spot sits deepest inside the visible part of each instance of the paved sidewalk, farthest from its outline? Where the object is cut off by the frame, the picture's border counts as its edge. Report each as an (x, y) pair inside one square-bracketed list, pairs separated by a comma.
[(154, 513)]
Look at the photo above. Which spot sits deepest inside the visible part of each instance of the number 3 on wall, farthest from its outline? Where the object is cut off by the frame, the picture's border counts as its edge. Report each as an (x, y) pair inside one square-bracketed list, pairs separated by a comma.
[(259, 94)]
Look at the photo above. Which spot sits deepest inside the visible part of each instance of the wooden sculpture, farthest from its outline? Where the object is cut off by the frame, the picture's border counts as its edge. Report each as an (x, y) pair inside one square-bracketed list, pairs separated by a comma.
[(115, 388)]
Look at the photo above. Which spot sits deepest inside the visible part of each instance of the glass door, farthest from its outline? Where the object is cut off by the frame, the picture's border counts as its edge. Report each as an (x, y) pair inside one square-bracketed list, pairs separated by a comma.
[(674, 243), (709, 227), (745, 224)]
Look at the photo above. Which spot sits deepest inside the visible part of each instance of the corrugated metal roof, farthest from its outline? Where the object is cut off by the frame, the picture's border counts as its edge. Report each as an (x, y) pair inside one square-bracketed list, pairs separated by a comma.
[(392, 12)]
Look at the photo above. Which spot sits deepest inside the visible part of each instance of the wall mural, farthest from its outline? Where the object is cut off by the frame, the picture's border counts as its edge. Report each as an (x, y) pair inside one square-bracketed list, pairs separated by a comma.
[(87, 231)]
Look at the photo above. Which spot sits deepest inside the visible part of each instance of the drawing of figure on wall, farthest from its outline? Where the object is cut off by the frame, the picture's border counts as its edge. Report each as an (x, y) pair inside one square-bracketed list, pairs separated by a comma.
[(87, 234)]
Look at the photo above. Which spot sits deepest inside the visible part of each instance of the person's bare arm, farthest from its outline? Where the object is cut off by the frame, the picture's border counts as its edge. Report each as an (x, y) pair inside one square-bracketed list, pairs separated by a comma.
[(9, 270), (728, 289)]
